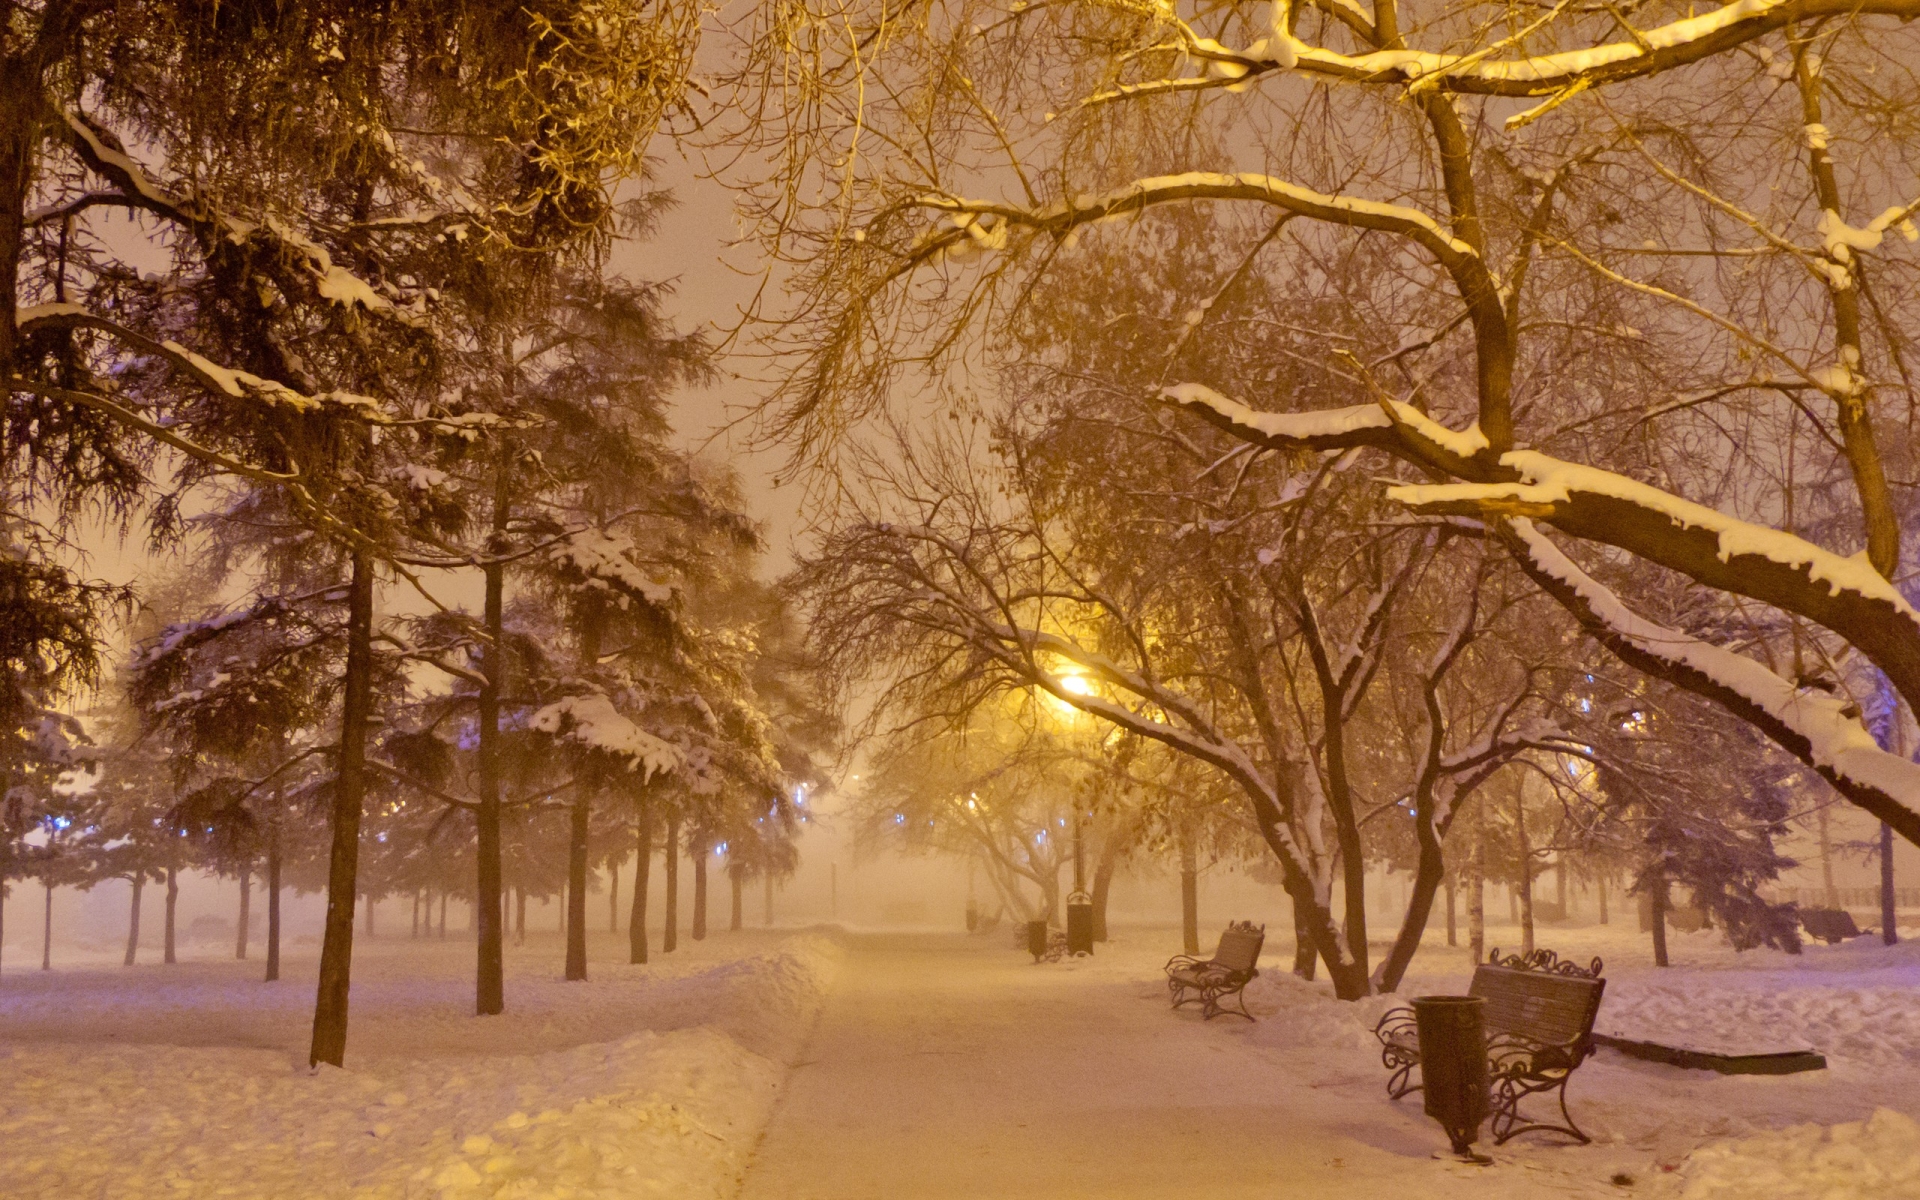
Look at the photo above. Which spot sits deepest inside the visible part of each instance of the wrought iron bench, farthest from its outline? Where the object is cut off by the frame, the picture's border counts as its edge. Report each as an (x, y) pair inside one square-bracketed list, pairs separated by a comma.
[(1539, 1019), (1830, 925), (1222, 977)]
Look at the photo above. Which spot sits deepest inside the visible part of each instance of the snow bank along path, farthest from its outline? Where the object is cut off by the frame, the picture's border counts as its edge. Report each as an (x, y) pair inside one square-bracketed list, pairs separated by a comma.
[(646, 1081), (950, 1067)]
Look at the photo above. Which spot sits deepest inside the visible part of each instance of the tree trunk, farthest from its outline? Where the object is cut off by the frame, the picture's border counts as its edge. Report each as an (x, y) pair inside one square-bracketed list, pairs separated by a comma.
[(1525, 849), (1477, 885), (46, 934), (490, 989), (1826, 860), (698, 851), (1658, 894), (642, 871), (734, 877), (1427, 878), (443, 915), (369, 899), (613, 897), (1189, 899), (1102, 885), (670, 857), (173, 901), (577, 885), (273, 902), (1305, 956), (133, 921), (590, 624), (246, 913), (349, 792), (520, 916), (1453, 938), (19, 121), (1600, 894), (766, 900), (1889, 914)]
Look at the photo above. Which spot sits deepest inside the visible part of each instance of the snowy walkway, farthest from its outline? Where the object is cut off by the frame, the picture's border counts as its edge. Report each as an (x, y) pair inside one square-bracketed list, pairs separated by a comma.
[(944, 1066)]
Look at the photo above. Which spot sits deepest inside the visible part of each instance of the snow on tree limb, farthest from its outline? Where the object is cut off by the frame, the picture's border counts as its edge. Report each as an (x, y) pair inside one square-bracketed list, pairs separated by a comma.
[(1822, 731), (592, 722), (1843, 594), (605, 560), (1649, 52), (228, 381), (1357, 212), (1392, 426), (330, 280)]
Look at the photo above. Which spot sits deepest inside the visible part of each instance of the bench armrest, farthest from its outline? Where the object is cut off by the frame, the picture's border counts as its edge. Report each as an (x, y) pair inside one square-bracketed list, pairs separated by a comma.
[(1518, 1054), (1396, 1025)]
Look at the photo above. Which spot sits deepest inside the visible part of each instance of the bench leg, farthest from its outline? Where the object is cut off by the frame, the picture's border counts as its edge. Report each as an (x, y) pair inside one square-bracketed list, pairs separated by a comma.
[(1401, 1081), (1214, 1008), (1507, 1121)]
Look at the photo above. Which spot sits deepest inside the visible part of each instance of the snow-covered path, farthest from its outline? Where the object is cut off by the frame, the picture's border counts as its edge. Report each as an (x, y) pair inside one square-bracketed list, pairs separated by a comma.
[(944, 1066)]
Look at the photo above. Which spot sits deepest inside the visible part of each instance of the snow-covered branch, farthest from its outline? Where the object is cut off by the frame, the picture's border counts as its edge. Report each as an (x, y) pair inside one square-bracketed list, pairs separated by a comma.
[(1063, 216), (1822, 731), (593, 723), (331, 281), (1485, 72), (1391, 425), (1845, 595)]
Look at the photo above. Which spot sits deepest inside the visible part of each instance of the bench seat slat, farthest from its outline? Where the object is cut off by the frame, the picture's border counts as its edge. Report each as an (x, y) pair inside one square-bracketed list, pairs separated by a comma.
[(1547, 1008)]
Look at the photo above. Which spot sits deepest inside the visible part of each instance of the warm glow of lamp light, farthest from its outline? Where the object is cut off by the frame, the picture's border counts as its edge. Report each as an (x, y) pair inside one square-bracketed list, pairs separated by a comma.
[(1077, 684)]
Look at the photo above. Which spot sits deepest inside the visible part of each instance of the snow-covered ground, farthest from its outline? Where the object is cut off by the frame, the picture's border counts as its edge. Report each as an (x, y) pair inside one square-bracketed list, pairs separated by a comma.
[(944, 1066), (191, 1080)]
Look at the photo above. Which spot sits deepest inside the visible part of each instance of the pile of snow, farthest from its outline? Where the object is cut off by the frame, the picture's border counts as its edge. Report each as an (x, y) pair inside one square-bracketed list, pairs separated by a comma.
[(1866, 1025), (431, 1106), (1310, 1016), (1874, 1159)]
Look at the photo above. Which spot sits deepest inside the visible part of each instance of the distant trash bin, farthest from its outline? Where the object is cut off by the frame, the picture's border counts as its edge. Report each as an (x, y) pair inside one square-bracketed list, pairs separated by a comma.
[(973, 916), (1079, 923), (1037, 939), (1453, 1065)]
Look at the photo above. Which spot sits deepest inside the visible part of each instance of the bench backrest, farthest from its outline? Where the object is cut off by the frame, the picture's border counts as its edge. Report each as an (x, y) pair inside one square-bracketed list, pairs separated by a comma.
[(1542, 1005), (1828, 923), (1239, 949)]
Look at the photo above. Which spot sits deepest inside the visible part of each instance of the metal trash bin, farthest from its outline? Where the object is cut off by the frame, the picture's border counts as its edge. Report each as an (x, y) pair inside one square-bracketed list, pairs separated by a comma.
[(1037, 939), (1453, 1065), (1079, 923)]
